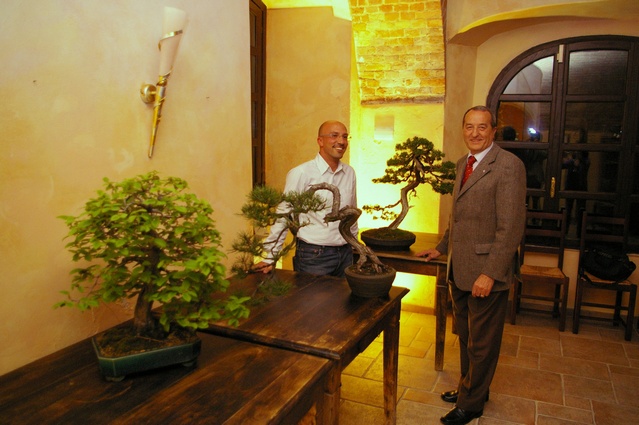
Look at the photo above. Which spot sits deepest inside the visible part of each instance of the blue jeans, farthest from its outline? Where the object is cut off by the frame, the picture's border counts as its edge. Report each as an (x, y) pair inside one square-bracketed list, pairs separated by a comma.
[(322, 260)]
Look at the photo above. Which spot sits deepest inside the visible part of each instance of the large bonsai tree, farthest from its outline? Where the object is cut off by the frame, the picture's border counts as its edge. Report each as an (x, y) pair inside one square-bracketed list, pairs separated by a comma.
[(415, 162), (148, 237)]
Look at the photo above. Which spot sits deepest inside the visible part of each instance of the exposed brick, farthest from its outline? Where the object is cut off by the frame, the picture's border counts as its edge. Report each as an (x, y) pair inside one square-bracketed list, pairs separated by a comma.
[(399, 49)]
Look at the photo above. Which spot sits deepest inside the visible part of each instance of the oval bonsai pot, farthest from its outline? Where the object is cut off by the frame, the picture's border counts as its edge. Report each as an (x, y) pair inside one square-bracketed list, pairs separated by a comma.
[(387, 239)]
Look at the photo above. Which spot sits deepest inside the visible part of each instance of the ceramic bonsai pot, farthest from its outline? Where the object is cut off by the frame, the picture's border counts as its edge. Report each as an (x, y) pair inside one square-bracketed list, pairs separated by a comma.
[(367, 285), (386, 239), (116, 368)]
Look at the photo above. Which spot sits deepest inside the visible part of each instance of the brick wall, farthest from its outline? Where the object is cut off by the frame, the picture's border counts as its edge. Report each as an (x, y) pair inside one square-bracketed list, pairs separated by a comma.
[(399, 49)]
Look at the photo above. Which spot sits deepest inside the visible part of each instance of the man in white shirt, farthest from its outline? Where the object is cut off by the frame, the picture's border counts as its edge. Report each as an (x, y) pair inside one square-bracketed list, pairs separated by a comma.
[(320, 248)]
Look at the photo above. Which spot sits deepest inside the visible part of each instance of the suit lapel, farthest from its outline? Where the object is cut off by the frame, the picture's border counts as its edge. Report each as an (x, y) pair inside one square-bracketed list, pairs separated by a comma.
[(483, 168)]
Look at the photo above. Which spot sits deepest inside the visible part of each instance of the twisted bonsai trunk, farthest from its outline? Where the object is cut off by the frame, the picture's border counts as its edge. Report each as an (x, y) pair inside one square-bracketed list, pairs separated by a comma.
[(347, 216)]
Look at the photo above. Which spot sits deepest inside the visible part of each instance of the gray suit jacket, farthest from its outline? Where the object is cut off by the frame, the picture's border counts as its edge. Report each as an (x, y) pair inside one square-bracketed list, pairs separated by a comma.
[(488, 220)]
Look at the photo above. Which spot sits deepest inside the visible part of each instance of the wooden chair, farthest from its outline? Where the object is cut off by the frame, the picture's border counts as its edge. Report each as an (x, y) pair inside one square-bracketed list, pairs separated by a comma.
[(609, 231), (545, 233)]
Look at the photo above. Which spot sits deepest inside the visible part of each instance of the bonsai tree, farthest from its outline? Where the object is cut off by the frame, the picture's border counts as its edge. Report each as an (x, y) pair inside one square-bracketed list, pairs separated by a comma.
[(415, 162), (148, 237), (264, 207)]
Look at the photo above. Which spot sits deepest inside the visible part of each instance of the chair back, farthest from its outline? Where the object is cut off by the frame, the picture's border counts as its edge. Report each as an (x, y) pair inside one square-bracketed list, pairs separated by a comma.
[(545, 233), (609, 232)]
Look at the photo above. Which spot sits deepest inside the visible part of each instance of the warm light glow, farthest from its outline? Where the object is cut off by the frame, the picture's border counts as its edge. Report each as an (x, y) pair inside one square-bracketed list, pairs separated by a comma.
[(368, 156)]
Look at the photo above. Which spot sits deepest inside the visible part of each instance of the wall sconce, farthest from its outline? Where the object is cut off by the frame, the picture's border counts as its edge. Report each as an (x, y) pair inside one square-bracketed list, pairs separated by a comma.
[(174, 20)]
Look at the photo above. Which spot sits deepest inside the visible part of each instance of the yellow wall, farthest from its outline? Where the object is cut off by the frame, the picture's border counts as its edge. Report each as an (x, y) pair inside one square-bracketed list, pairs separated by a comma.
[(308, 55), (71, 114)]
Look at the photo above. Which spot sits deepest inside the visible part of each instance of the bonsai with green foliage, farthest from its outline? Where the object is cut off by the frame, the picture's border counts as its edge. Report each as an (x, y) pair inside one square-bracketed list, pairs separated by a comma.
[(415, 162), (264, 207), (147, 237)]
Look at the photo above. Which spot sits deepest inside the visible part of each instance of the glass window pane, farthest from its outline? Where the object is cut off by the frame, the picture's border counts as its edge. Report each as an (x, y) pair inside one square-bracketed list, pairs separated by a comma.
[(536, 78), (590, 171), (526, 121), (535, 162), (593, 122), (597, 72)]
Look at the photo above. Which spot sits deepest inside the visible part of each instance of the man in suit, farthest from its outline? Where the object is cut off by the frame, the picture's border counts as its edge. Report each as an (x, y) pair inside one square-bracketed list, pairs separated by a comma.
[(484, 232)]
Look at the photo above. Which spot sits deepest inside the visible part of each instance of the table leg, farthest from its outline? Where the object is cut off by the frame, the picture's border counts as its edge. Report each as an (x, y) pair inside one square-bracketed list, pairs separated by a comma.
[(391, 360), (330, 410), (441, 304)]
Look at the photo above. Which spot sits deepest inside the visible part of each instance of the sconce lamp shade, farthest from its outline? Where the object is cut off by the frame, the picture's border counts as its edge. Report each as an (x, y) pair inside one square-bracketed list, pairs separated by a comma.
[(174, 21)]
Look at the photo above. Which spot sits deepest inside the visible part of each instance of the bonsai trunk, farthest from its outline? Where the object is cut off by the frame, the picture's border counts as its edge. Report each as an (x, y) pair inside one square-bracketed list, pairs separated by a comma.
[(405, 205), (347, 216), (143, 321)]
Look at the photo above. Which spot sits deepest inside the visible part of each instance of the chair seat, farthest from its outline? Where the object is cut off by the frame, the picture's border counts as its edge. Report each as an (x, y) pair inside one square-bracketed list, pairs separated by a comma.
[(541, 271), (603, 282)]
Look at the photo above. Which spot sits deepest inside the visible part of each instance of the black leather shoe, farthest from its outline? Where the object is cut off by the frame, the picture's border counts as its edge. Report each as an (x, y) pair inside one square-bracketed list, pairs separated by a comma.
[(459, 416), (451, 396)]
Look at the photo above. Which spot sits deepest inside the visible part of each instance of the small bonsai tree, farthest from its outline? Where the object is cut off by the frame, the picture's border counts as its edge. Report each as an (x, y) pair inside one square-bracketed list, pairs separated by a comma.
[(264, 207), (147, 237), (415, 162)]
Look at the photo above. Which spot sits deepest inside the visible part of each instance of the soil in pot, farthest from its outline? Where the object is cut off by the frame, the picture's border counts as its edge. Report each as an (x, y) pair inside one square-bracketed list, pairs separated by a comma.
[(120, 352), (387, 239)]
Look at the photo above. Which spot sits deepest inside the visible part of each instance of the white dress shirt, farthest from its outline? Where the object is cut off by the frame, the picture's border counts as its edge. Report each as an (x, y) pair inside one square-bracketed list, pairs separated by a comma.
[(299, 179)]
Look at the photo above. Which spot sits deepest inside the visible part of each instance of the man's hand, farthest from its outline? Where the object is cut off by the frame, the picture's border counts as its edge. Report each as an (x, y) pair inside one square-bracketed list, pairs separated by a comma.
[(262, 267), (429, 254), (482, 286)]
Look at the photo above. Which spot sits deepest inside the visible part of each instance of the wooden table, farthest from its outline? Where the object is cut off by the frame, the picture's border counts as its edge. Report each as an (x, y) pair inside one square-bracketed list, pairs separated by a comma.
[(407, 262), (320, 316), (234, 383)]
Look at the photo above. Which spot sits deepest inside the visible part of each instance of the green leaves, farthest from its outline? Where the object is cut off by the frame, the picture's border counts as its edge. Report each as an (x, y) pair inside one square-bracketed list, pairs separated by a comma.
[(148, 235)]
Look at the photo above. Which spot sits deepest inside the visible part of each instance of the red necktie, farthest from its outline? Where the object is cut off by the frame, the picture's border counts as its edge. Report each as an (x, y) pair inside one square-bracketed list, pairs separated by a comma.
[(469, 169)]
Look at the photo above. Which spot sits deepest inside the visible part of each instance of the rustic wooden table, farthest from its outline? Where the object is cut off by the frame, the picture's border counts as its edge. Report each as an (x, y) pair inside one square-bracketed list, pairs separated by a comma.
[(235, 382), (320, 316), (407, 262)]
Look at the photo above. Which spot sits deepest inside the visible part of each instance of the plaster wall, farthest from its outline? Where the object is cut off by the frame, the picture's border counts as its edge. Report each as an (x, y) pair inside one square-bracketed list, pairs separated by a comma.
[(71, 114), (308, 54)]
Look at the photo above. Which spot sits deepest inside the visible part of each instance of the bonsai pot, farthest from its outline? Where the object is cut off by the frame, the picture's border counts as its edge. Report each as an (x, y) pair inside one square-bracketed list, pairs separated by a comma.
[(387, 239), (369, 285), (115, 366)]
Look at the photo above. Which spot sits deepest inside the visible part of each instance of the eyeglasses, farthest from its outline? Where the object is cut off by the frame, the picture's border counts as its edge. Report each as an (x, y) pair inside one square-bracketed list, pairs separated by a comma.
[(336, 136)]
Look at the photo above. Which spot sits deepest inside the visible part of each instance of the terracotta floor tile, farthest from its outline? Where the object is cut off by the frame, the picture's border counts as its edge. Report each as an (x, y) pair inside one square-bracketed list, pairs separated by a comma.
[(571, 414), (594, 350), (573, 366), (593, 389), (612, 414), (540, 345), (528, 383), (510, 409)]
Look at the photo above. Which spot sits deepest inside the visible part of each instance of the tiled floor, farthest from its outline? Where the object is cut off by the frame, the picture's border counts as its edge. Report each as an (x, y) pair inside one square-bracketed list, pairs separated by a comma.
[(544, 377)]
